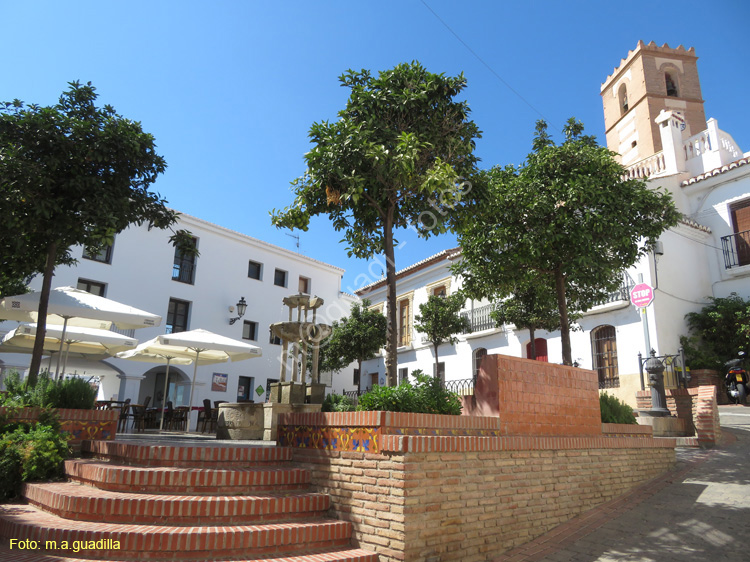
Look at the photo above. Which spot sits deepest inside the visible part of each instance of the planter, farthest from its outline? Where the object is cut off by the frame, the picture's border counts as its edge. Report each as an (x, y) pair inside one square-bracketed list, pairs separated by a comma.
[(81, 424)]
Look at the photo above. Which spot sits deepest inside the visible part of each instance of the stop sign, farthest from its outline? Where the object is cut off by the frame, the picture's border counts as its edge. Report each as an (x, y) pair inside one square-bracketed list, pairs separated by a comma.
[(642, 295)]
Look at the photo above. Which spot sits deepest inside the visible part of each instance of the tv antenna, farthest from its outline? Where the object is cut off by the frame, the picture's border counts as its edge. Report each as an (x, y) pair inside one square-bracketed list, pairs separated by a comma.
[(296, 237)]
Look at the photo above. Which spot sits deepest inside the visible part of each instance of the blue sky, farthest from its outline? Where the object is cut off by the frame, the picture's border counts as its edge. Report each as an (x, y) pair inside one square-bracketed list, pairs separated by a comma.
[(229, 88)]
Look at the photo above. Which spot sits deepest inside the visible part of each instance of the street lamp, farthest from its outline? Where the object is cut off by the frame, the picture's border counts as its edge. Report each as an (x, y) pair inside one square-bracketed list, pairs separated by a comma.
[(241, 308)]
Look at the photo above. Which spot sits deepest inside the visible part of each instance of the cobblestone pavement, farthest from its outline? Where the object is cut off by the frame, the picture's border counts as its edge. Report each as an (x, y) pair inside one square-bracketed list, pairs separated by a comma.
[(700, 511)]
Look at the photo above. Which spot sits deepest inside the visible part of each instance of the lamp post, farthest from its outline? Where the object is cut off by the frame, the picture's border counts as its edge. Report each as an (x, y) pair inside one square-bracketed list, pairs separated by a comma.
[(241, 308)]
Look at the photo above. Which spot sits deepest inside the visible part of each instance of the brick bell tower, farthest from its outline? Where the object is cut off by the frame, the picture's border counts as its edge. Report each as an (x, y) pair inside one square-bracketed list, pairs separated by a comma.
[(649, 80)]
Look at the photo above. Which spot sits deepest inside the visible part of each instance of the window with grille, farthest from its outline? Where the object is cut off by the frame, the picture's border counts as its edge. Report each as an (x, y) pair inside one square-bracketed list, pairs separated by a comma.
[(403, 374), (440, 371), (479, 354), (177, 316), (604, 356), (183, 269)]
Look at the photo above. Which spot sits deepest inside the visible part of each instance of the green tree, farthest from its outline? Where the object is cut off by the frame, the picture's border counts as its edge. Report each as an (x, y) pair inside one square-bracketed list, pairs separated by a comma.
[(395, 158), (529, 307), (71, 174), (569, 215), (357, 337), (717, 332), (439, 320)]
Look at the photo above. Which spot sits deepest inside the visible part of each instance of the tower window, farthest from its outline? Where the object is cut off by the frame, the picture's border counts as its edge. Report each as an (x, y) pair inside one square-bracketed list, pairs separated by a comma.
[(671, 84), (622, 95)]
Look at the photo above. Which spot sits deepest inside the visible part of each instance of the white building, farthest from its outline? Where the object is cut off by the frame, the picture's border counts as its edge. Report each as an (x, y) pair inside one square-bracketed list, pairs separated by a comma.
[(143, 269), (655, 120)]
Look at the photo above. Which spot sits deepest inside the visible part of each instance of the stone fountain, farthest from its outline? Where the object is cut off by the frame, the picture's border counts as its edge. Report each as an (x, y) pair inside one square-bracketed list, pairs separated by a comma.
[(248, 420), (301, 334)]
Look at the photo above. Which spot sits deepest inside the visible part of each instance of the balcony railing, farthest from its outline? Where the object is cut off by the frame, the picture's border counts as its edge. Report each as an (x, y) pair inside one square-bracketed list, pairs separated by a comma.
[(736, 249), (183, 272), (480, 318)]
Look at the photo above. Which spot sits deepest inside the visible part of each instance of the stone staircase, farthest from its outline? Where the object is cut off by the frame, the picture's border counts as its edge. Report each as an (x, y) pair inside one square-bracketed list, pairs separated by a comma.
[(126, 502)]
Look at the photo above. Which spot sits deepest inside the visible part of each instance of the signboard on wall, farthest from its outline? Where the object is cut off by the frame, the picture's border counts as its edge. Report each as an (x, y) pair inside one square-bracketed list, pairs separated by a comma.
[(219, 382)]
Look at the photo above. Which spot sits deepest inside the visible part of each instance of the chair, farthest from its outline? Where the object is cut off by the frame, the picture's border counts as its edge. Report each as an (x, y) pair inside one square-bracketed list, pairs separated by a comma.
[(122, 424), (204, 415), (168, 415), (146, 401), (179, 418), (138, 413)]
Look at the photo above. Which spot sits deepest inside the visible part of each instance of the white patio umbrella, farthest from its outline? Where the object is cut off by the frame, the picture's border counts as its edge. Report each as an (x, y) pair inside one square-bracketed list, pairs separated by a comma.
[(77, 308), (201, 346), (89, 343)]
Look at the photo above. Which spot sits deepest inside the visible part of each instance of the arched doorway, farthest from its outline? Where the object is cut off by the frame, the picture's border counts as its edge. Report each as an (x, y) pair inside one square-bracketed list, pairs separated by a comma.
[(178, 388)]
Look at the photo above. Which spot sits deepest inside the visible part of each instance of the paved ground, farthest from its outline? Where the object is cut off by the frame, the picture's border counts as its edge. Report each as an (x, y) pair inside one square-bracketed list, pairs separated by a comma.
[(700, 511)]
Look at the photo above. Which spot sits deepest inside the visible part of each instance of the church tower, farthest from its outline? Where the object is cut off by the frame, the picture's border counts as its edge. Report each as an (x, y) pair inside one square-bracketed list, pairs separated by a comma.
[(651, 79)]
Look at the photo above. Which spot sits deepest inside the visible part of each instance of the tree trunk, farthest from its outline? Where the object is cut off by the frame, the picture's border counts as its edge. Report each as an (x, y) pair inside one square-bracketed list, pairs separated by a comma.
[(532, 350), (437, 361), (391, 345), (562, 308), (41, 323)]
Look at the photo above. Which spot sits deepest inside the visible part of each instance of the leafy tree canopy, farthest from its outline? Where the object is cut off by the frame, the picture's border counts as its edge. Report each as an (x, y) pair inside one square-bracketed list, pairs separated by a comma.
[(395, 158), (718, 332), (71, 174), (357, 337), (439, 320), (567, 215)]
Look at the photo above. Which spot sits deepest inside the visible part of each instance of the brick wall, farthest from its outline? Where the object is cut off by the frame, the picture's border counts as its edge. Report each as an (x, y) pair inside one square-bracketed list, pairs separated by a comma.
[(536, 398), (440, 499)]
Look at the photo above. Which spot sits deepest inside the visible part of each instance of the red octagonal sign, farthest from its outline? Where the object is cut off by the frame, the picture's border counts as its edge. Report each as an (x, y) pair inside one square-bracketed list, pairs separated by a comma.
[(642, 295)]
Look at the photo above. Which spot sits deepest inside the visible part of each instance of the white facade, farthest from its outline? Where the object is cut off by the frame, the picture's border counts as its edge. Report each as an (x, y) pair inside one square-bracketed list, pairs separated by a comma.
[(140, 273), (706, 255)]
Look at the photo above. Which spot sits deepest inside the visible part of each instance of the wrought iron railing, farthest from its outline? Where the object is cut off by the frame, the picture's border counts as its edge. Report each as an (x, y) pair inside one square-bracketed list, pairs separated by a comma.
[(354, 395), (183, 272), (462, 387), (479, 318), (736, 249), (674, 374)]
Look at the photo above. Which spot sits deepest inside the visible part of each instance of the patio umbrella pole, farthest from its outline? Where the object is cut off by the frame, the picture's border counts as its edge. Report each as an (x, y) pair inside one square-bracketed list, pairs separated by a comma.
[(65, 359), (192, 388), (164, 400), (62, 341)]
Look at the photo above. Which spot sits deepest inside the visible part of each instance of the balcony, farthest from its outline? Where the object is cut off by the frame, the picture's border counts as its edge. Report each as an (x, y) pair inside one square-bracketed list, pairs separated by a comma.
[(480, 319), (183, 272), (736, 249)]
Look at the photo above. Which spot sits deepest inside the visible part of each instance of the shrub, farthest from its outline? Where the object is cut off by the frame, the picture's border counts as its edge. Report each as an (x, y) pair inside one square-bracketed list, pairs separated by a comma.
[(427, 396), (615, 411), (74, 393), (338, 403), (29, 452)]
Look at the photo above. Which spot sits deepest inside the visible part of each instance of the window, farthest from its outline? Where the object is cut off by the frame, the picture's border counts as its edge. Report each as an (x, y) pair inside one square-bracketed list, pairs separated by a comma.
[(279, 278), (404, 322), (273, 338), (102, 256), (671, 85), (93, 287), (604, 356), (183, 269), (479, 354), (254, 270), (540, 345), (245, 389), (304, 285), (622, 96), (250, 330), (440, 291), (177, 316), (741, 224), (403, 374), (355, 380)]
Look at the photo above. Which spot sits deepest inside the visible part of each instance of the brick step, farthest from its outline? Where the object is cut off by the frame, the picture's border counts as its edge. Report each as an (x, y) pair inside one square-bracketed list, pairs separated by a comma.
[(197, 456), (350, 555), (189, 481), (163, 543), (85, 503)]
